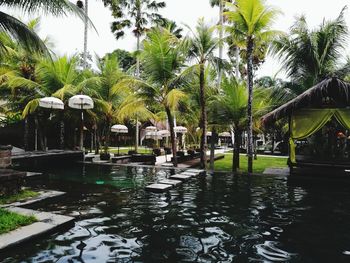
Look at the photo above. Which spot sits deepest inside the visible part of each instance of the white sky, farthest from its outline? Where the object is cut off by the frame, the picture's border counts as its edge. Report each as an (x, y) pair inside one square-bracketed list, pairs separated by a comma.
[(67, 32)]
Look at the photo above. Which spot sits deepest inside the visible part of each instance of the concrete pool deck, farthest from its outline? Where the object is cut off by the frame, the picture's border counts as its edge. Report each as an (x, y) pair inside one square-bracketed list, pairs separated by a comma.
[(46, 222)]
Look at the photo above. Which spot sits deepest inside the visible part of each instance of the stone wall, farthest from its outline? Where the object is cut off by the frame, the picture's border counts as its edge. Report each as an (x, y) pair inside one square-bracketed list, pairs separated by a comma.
[(5, 156)]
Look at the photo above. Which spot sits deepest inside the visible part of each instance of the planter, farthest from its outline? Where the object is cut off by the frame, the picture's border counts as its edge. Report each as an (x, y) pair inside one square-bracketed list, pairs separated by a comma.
[(157, 151), (180, 154), (191, 152), (11, 181), (167, 150), (5, 156), (105, 156)]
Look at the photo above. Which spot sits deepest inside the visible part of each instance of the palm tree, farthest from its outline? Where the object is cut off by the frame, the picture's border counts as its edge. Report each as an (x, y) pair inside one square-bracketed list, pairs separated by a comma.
[(105, 89), (58, 78), (252, 21), (163, 56), (135, 14), (230, 107), (138, 15), (203, 45), (311, 55), (20, 31)]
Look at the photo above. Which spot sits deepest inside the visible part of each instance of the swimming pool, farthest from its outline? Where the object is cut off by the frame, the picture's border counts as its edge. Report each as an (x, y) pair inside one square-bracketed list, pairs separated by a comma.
[(217, 218)]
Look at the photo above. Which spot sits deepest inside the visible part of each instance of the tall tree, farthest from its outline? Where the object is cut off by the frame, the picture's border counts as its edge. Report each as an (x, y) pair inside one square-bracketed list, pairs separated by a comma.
[(252, 21), (203, 45), (163, 58), (309, 56), (20, 31), (138, 15)]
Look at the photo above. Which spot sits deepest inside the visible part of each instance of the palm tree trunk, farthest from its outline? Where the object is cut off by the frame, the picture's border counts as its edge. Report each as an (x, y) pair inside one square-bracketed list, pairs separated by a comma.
[(203, 124), (221, 33), (137, 75), (236, 148), (62, 134), (212, 148), (172, 135), (108, 136), (137, 133), (40, 134), (237, 63), (250, 46), (85, 34), (81, 137), (26, 134)]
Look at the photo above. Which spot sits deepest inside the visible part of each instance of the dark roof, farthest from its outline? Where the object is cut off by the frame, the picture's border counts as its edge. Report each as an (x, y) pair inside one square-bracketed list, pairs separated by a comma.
[(329, 93)]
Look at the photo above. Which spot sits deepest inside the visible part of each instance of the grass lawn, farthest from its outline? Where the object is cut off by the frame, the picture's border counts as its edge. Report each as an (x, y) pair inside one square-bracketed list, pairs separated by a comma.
[(10, 221), (259, 165), (125, 150), (24, 194)]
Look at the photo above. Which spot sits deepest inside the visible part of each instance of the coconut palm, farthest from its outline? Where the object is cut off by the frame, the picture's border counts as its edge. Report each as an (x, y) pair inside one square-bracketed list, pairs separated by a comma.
[(111, 96), (311, 55), (58, 78), (252, 21), (163, 56), (202, 46), (230, 107), (20, 31), (135, 14), (138, 15)]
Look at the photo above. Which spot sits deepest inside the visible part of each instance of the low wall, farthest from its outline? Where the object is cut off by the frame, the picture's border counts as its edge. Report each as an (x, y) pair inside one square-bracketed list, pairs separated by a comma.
[(5, 156), (39, 161)]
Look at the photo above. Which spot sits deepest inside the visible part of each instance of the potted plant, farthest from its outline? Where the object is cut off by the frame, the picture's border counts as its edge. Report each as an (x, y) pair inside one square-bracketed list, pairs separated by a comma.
[(157, 151), (167, 150), (105, 155)]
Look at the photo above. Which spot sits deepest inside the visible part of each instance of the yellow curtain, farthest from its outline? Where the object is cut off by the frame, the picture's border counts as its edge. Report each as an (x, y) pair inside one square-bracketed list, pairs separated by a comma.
[(343, 117), (306, 122)]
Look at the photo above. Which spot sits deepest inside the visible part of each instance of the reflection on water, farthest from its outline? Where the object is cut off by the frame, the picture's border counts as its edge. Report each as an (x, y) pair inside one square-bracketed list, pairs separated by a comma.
[(218, 218)]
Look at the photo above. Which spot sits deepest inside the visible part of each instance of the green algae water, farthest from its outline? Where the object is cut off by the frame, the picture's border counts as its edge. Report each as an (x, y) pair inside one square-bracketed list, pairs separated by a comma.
[(216, 218)]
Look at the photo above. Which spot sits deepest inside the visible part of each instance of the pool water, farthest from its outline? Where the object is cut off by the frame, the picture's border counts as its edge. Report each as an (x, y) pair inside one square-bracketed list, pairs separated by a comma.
[(217, 218)]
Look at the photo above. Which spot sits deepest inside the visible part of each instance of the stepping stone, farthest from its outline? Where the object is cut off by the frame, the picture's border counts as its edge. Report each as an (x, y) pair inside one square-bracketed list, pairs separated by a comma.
[(171, 182), (197, 171), (158, 188), (181, 177), (190, 174), (99, 161)]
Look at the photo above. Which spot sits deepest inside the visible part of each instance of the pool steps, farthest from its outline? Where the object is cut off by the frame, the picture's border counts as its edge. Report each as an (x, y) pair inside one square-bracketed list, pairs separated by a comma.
[(174, 180)]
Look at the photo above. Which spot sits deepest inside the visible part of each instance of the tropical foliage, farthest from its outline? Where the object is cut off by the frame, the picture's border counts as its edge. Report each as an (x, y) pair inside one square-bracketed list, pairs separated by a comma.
[(173, 78)]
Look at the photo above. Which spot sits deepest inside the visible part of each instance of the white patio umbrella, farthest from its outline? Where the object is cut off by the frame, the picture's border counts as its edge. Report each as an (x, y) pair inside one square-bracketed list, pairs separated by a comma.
[(150, 128), (153, 135), (48, 103), (51, 103), (81, 102), (118, 128), (164, 133), (225, 134), (180, 129)]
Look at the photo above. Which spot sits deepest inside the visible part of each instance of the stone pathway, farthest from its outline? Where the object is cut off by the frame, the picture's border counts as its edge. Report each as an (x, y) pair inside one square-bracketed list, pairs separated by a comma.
[(277, 171), (44, 194), (47, 222)]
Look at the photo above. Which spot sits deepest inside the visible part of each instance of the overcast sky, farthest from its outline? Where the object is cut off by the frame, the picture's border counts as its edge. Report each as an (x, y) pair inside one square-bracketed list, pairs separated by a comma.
[(67, 32)]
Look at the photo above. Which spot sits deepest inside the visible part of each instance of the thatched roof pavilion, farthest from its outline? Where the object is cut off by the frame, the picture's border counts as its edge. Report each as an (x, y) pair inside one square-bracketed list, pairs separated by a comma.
[(308, 113), (329, 93)]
